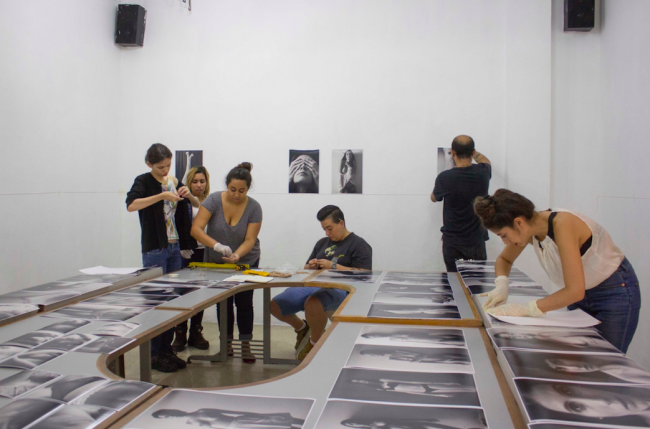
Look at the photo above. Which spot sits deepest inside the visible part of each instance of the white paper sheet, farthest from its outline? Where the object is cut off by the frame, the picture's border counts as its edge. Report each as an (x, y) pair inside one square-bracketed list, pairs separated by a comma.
[(104, 270), (565, 318), (249, 279)]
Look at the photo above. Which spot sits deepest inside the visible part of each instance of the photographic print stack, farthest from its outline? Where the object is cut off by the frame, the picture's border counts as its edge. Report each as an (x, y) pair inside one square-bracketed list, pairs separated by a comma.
[(479, 277), (405, 377), (414, 296)]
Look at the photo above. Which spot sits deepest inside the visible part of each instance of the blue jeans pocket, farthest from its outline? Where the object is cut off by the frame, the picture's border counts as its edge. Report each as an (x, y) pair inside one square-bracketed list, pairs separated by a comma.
[(154, 252)]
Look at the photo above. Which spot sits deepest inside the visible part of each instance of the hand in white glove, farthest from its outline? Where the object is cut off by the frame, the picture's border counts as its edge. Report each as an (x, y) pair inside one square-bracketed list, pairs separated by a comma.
[(517, 310), (497, 296), (187, 254), (225, 250)]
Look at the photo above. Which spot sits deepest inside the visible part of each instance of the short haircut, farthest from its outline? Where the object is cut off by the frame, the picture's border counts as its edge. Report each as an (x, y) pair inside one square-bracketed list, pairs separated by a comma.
[(158, 152), (332, 212), (463, 146)]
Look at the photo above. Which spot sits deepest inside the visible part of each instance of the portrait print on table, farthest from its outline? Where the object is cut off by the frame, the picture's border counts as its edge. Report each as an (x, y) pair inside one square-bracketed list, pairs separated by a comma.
[(585, 368), (304, 171), (348, 414), (11, 311), (157, 290), (445, 159), (185, 160), (414, 298), (551, 339), (67, 342), (131, 300), (414, 311), (31, 359), (116, 329), (347, 171), (394, 288), (405, 336), (348, 276), (105, 345), (519, 283), (36, 297), (33, 339), (74, 417), (406, 274), (9, 351), (406, 387), (68, 388), (24, 381), (99, 312), (187, 408), (564, 426), (515, 291), (417, 359), (422, 281), (604, 404), (65, 326), (115, 394), (99, 278), (80, 288), (25, 411)]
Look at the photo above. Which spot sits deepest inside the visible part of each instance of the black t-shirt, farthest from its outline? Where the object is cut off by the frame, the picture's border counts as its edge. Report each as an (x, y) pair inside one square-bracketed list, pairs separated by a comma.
[(458, 187), (353, 251)]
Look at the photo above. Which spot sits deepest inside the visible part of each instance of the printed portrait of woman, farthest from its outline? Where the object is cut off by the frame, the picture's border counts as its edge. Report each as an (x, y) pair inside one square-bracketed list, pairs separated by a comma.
[(303, 171), (347, 173)]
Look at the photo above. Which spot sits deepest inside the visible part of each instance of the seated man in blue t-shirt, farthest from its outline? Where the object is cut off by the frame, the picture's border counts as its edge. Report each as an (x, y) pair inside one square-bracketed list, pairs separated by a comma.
[(340, 250)]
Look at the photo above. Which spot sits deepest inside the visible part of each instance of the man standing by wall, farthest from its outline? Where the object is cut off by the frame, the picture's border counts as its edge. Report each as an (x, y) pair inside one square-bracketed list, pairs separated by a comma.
[(463, 237)]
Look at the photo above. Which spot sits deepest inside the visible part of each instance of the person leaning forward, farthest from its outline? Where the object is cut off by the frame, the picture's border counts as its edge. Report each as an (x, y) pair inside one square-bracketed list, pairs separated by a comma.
[(340, 250), (463, 236)]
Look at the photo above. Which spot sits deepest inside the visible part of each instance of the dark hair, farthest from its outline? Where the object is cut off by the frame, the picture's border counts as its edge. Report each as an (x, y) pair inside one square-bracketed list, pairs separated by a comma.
[(332, 212), (241, 172), (353, 163), (157, 153), (463, 146), (501, 209)]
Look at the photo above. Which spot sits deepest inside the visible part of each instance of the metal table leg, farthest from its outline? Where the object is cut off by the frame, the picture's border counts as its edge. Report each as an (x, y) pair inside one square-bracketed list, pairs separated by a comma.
[(266, 320), (145, 361)]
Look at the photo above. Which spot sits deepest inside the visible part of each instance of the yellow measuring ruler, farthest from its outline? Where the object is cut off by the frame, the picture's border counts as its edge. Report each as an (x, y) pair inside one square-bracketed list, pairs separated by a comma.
[(238, 267)]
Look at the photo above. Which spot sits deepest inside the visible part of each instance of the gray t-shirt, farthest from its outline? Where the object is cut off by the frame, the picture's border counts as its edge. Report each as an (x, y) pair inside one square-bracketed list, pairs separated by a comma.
[(231, 236)]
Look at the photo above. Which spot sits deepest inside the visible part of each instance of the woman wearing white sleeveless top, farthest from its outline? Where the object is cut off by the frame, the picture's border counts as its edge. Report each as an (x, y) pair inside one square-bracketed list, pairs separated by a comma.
[(578, 255)]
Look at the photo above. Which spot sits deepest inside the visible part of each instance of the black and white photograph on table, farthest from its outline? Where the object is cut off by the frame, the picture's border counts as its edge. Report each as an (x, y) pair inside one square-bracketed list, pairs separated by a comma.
[(68, 388), (65, 326), (33, 339), (455, 389), (304, 171), (80, 288), (564, 426), (406, 274), (414, 298), (414, 311), (348, 414), (157, 290), (36, 297), (445, 159), (105, 345), (25, 411), (16, 310), (9, 351), (24, 381), (416, 282), (185, 160), (551, 339), (347, 171), (511, 283), (417, 359), (99, 278), (115, 394), (207, 409), (116, 329), (349, 276), (74, 417), (604, 404), (31, 359), (131, 300), (67, 342), (411, 336), (99, 312), (402, 288), (491, 276), (585, 368), (515, 291)]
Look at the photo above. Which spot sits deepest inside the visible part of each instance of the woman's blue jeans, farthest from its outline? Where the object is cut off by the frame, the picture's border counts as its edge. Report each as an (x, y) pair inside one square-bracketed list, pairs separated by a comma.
[(616, 302)]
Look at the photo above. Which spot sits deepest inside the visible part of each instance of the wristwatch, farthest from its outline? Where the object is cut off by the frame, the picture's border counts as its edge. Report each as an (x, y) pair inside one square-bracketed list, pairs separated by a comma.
[(334, 260)]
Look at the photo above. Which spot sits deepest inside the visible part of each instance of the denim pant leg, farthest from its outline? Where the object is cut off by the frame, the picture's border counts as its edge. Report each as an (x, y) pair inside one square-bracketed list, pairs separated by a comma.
[(156, 258), (245, 316), (174, 258)]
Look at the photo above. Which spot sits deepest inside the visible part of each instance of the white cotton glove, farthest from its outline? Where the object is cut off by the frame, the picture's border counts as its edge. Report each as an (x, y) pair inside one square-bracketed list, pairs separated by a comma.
[(517, 310), (187, 254), (225, 250), (497, 296)]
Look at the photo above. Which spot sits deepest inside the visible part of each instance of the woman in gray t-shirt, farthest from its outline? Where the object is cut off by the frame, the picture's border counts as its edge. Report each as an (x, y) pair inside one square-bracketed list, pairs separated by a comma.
[(234, 221)]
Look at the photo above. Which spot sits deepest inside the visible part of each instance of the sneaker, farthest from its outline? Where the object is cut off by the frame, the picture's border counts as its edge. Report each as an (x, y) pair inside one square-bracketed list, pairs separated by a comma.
[(180, 338), (164, 362), (303, 352), (180, 363), (300, 335), (197, 340)]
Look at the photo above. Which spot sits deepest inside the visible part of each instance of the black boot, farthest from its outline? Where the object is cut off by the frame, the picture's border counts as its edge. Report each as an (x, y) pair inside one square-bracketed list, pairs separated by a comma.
[(196, 338), (180, 338)]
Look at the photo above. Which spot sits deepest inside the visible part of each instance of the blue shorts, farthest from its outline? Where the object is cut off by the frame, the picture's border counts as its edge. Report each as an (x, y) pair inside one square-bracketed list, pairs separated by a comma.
[(292, 300)]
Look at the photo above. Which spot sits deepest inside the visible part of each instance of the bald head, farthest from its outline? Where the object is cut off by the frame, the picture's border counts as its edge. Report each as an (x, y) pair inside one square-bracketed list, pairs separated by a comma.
[(463, 146)]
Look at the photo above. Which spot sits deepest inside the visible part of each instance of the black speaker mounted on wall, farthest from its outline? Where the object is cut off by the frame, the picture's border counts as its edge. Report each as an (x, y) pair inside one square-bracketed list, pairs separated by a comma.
[(579, 15), (131, 22)]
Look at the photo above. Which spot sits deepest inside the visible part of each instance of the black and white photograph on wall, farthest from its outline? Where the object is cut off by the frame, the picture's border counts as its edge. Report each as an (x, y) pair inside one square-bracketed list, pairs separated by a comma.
[(417, 359), (74, 417), (350, 414), (116, 329), (406, 387), (115, 394), (99, 312), (616, 369), (185, 160), (68, 388), (25, 411), (414, 311), (131, 300), (8, 312), (36, 297), (605, 404), (402, 288), (347, 171), (105, 345), (24, 381), (304, 171), (67, 342), (33, 339), (550, 339), (31, 359), (9, 351), (157, 290), (411, 336), (445, 159), (189, 409), (414, 298)]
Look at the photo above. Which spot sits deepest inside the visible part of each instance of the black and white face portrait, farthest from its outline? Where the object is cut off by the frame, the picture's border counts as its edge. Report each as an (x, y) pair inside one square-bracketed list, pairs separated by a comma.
[(414, 311), (618, 406), (564, 426), (22, 412), (69, 287), (67, 342), (24, 381), (406, 387), (99, 312), (304, 171), (422, 277), (547, 339), (189, 409), (31, 359), (422, 281), (360, 415), (33, 339), (131, 300), (411, 336), (415, 298), (116, 329), (98, 278), (74, 417), (105, 345), (66, 326), (9, 351), (445, 159), (10, 311), (68, 388), (586, 368), (347, 171), (37, 297), (157, 290), (406, 288), (416, 359), (115, 394)]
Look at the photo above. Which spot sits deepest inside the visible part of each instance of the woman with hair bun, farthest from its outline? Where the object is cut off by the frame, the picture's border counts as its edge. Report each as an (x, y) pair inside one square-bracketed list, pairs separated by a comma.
[(578, 255), (234, 221)]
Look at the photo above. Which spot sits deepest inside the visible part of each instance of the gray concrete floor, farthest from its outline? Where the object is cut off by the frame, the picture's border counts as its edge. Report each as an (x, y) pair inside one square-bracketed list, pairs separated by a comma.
[(233, 372)]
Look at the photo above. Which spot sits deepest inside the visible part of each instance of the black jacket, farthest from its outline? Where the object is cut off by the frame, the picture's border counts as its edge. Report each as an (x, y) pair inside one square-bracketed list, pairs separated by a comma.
[(152, 218)]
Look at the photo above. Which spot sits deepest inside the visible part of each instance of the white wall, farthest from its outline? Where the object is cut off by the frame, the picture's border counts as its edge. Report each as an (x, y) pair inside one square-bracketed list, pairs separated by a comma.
[(600, 113)]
